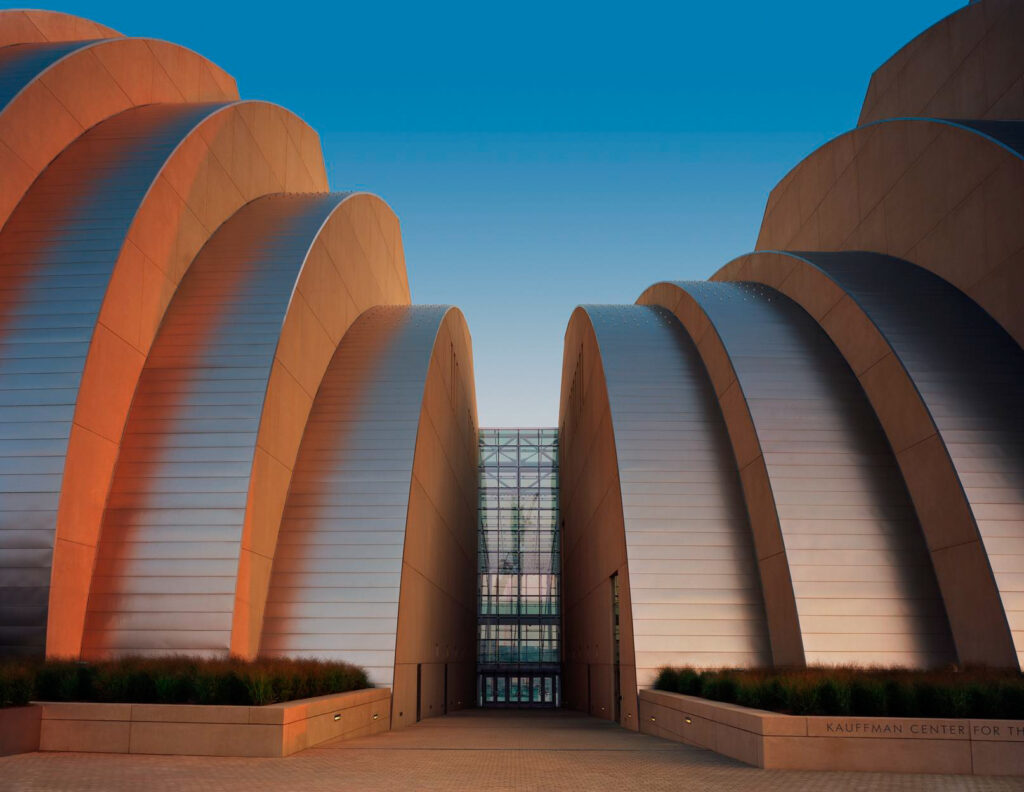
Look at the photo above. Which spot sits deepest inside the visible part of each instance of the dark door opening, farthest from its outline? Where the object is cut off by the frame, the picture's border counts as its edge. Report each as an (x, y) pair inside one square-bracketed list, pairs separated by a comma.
[(616, 675), (520, 691)]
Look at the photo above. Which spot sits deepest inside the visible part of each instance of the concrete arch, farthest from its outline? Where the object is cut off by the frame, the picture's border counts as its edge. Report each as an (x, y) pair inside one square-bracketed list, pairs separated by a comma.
[(844, 567), (29, 26), (945, 382), (968, 65), (374, 561), (650, 493), (51, 93), (92, 255), (220, 405), (945, 195)]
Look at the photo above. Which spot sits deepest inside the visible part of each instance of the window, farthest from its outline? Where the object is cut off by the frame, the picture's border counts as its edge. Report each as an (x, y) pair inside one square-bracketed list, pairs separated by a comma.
[(519, 603)]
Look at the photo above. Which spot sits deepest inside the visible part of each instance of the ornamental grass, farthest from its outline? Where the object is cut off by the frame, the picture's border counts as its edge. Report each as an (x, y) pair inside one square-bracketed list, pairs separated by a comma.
[(175, 680), (862, 692)]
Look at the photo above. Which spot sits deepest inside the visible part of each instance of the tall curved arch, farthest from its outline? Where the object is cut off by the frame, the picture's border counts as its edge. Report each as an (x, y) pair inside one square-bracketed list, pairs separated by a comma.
[(375, 559), (91, 257), (51, 93), (890, 187), (192, 477), (650, 494), (946, 383), (968, 65), (846, 574), (30, 26)]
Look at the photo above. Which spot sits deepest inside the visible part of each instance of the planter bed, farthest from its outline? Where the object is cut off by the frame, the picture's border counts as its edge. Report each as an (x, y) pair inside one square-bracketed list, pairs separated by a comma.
[(821, 742), (208, 730)]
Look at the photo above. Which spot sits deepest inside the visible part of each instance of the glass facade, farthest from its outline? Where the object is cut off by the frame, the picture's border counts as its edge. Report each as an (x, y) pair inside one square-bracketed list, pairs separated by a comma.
[(519, 651)]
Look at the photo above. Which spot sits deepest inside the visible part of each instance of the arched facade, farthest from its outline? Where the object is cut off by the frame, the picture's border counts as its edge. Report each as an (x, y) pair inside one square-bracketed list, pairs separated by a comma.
[(946, 382), (215, 423), (179, 287), (652, 513), (866, 361), (375, 559)]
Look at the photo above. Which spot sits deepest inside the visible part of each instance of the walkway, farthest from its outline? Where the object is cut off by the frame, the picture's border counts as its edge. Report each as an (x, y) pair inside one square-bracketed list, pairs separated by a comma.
[(476, 750)]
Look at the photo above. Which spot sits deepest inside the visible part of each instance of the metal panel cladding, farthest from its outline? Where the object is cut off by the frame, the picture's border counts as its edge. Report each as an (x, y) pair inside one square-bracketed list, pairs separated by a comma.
[(334, 586), (169, 547), (21, 63), (57, 252), (862, 578), (969, 374), (694, 587)]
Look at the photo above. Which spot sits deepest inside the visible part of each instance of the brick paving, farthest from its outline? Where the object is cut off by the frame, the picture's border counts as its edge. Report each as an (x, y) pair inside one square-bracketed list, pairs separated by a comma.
[(476, 750)]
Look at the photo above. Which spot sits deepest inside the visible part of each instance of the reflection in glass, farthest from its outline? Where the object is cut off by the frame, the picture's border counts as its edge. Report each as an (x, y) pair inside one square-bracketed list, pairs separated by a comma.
[(519, 610)]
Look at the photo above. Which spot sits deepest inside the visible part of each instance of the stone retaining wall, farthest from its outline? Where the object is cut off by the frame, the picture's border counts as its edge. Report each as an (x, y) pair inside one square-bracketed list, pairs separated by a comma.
[(19, 729), (204, 730), (790, 742)]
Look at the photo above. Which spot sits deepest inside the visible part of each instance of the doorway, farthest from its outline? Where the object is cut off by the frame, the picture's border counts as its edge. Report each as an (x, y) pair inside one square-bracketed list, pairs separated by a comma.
[(520, 691)]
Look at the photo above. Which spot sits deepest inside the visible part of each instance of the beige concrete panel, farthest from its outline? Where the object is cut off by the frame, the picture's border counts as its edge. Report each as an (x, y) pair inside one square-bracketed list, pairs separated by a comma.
[(204, 739), (437, 603), (997, 758), (918, 756), (90, 736), (948, 199), (19, 729), (403, 702), (965, 66), (593, 537), (190, 713), (30, 26)]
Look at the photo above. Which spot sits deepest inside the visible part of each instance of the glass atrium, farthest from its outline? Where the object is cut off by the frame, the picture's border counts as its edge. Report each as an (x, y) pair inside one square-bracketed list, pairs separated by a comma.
[(518, 657)]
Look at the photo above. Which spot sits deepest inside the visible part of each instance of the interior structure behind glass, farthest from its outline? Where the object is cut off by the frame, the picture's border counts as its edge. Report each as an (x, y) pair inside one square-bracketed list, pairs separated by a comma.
[(518, 656)]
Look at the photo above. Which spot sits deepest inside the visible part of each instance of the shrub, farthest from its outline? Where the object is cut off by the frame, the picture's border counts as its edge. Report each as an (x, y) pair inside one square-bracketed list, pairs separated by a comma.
[(844, 690), (175, 680)]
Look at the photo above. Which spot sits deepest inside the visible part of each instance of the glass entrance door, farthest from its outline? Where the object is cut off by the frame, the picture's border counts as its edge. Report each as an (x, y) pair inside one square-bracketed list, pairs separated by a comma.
[(513, 690)]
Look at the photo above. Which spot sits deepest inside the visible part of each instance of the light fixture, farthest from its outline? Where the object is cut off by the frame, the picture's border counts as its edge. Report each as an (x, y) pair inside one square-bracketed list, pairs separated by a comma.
[(689, 721), (375, 716), (337, 716)]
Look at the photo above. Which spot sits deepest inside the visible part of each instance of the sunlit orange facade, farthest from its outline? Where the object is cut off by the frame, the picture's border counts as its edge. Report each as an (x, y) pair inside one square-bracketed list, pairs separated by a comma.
[(183, 298), (225, 428)]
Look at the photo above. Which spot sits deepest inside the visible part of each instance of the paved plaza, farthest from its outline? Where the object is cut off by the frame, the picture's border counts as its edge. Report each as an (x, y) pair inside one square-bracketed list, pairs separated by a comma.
[(476, 750)]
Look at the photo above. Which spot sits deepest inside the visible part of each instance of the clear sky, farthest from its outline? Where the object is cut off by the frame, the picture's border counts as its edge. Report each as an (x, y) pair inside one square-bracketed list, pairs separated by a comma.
[(541, 154)]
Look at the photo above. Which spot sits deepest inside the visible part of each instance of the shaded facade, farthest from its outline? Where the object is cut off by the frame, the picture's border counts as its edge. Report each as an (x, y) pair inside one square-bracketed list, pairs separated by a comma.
[(864, 370), (201, 343)]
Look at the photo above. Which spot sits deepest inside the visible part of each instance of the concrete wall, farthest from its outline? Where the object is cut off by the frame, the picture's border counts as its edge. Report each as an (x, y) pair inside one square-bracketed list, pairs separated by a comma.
[(437, 608), (181, 729), (593, 536), (788, 742)]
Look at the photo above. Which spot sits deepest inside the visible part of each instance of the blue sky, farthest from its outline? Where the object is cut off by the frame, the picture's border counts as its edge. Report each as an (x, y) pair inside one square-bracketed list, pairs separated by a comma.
[(543, 155)]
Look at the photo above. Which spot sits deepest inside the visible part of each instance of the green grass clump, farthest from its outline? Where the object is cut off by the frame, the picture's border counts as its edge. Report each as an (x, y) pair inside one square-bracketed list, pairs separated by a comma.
[(864, 692), (175, 680)]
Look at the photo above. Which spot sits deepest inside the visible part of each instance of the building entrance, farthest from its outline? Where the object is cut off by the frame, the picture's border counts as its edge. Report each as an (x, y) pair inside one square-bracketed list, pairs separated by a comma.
[(519, 691), (519, 612)]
